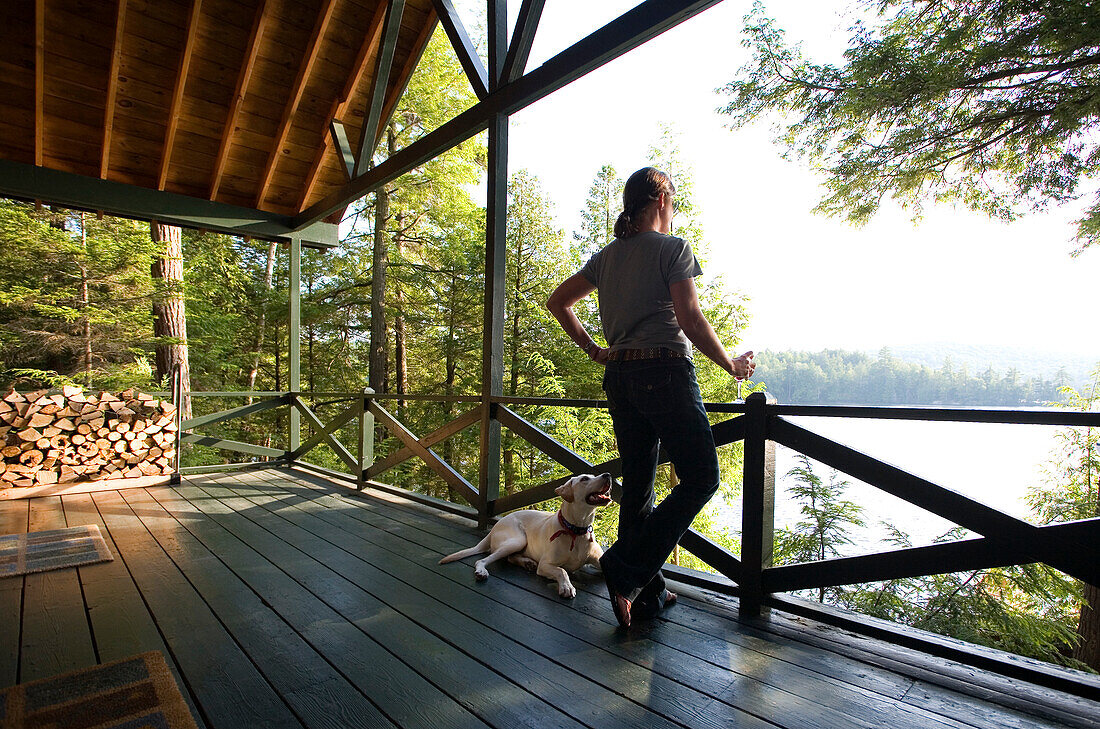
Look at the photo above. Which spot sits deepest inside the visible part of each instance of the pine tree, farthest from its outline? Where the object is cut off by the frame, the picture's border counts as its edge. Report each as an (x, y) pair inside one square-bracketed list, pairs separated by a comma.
[(1072, 493), (827, 520)]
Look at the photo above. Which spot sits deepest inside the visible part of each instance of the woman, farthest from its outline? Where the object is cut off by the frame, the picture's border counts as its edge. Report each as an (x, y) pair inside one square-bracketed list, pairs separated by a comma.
[(650, 313)]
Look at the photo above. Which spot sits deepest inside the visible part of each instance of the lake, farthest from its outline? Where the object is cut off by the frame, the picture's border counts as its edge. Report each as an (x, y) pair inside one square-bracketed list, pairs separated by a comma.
[(992, 463)]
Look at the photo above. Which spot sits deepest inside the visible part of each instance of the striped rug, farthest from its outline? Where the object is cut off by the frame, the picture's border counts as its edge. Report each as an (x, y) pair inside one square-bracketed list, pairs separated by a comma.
[(53, 549), (127, 694)]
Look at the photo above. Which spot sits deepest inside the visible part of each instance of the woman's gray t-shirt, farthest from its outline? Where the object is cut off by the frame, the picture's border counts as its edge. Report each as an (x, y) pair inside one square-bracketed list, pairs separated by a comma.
[(632, 276)]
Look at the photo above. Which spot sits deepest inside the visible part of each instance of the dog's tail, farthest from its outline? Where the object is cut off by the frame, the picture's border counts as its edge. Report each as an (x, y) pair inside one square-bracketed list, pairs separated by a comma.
[(481, 548)]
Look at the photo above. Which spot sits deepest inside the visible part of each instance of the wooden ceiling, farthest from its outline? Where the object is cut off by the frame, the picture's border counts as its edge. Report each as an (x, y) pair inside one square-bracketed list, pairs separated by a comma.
[(220, 100)]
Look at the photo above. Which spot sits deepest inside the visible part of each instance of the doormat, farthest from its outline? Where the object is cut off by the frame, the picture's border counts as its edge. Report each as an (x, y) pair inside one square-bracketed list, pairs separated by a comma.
[(53, 549), (133, 692)]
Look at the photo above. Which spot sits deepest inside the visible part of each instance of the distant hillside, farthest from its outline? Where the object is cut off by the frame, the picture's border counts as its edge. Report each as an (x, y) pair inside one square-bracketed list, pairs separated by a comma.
[(835, 376), (978, 358)]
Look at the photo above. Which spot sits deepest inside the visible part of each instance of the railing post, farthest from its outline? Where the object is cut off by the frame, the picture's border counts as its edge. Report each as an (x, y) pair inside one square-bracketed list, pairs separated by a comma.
[(758, 505), (366, 439), (177, 400)]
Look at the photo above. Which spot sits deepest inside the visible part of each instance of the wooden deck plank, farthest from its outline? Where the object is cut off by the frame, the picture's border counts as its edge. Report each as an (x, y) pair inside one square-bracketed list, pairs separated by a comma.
[(949, 687), (398, 690), (14, 516), (756, 656), (742, 673), (310, 685), (555, 684), (333, 609), (120, 622), (228, 688), (367, 599), (706, 682), (14, 519), (1005, 702), (56, 637), (867, 677)]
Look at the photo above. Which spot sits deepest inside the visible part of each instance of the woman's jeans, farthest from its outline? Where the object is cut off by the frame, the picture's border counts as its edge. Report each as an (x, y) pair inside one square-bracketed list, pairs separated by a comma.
[(656, 403)]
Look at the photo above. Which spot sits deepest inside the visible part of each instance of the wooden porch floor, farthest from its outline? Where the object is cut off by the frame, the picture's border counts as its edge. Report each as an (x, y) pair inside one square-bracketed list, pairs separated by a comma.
[(281, 600)]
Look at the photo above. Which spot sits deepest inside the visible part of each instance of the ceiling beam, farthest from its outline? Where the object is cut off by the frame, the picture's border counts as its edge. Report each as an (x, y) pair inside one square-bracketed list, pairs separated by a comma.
[(519, 50), (463, 47), (23, 181), (497, 22), (383, 64), (39, 77), (177, 96), (407, 71), (255, 36), (338, 138), (646, 21), (291, 108), (112, 90)]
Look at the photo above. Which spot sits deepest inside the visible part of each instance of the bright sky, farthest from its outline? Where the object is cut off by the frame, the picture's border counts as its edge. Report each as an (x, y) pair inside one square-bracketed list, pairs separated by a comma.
[(813, 282)]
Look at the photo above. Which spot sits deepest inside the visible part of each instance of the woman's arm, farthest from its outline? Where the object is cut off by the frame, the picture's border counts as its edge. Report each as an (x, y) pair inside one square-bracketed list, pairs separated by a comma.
[(560, 304), (690, 317)]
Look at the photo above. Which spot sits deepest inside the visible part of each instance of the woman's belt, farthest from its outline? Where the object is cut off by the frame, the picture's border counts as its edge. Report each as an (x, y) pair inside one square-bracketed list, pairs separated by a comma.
[(629, 355)]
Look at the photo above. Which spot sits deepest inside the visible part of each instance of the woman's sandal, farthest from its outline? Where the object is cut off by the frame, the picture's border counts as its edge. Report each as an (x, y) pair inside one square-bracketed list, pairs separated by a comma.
[(621, 606)]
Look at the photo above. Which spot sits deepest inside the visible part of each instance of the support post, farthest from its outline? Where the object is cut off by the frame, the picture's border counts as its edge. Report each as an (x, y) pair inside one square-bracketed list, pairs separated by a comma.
[(496, 229), (295, 340), (365, 453), (177, 400), (758, 505)]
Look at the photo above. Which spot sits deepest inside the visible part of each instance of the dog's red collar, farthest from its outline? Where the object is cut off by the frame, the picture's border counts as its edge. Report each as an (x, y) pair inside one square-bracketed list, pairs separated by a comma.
[(572, 530)]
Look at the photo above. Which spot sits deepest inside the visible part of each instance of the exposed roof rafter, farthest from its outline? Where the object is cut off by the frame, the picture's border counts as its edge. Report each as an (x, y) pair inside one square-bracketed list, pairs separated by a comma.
[(463, 47), (371, 40), (296, 97), (259, 22), (177, 96), (373, 116), (112, 90), (519, 50), (644, 22), (407, 72), (39, 78)]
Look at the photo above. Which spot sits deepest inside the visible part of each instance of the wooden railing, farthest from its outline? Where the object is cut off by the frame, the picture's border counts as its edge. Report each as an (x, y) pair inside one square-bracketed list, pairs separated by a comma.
[(760, 423)]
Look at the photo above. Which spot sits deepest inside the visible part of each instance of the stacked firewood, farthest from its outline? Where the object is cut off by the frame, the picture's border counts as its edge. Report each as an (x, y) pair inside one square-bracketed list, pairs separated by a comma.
[(78, 436)]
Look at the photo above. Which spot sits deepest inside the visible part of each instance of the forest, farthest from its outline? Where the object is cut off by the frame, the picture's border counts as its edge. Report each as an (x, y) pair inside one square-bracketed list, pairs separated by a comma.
[(398, 307), (850, 378)]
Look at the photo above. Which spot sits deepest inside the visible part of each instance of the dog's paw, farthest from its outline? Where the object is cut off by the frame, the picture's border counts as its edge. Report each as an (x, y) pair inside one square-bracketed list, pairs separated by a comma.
[(528, 564), (567, 591), (481, 574)]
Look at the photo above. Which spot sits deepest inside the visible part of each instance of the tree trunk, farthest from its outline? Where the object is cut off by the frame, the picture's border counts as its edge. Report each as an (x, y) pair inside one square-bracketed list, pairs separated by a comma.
[(450, 365), (1088, 623), (169, 313), (400, 357), (376, 376), (85, 300), (269, 278), (311, 337), (378, 366), (1088, 627)]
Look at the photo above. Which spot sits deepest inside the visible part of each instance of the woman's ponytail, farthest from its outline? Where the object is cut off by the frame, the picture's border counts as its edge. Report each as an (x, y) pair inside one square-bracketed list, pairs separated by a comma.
[(624, 226)]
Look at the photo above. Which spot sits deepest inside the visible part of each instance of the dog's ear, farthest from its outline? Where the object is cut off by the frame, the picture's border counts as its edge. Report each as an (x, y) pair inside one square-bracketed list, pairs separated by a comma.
[(565, 491)]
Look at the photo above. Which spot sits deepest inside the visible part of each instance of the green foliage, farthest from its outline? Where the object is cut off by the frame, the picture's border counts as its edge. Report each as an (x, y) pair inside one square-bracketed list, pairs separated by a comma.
[(827, 520), (1025, 609), (989, 104), (1072, 490), (76, 288)]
